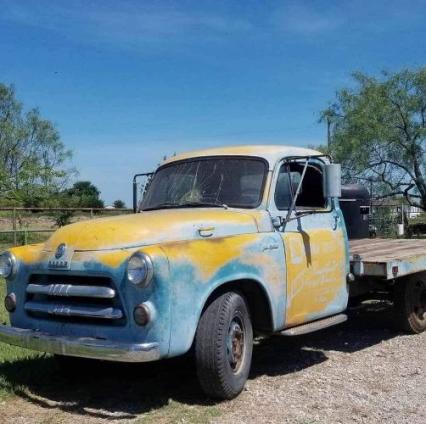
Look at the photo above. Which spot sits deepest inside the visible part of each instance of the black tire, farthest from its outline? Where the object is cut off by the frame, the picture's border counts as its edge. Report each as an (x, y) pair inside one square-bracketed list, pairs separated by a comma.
[(410, 304), (223, 346)]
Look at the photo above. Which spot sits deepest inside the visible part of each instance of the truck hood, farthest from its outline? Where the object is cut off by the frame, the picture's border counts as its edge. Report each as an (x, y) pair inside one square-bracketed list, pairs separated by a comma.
[(153, 227)]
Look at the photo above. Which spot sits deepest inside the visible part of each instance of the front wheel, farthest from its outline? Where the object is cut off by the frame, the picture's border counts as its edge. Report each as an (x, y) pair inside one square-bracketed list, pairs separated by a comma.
[(223, 346), (410, 304)]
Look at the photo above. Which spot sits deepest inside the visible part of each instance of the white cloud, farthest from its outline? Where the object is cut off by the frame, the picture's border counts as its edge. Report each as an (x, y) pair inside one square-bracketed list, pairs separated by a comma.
[(309, 18), (301, 19), (134, 24), (121, 22)]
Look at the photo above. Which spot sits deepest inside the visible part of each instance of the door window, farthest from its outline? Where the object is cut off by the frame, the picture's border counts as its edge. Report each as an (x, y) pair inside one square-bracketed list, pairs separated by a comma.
[(311, 192)]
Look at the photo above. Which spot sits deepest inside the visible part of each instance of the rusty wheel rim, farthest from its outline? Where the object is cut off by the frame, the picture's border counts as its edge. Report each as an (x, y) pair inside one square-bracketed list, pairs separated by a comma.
[(235, 345)]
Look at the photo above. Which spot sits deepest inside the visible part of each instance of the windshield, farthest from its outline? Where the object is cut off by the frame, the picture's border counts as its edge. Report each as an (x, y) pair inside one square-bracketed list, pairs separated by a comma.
[(236, 182)]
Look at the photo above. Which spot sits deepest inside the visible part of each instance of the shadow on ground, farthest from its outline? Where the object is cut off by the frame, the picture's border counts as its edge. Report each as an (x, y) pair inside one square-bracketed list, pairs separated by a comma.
[(114, 391)]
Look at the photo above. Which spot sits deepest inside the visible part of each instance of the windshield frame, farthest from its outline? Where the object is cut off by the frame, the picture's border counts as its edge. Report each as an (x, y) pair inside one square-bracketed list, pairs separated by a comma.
[(205, 158)]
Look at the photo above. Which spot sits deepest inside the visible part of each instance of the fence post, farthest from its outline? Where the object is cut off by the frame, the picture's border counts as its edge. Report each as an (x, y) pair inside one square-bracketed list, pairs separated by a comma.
[(91, 213), (401, 229), (15, 240)]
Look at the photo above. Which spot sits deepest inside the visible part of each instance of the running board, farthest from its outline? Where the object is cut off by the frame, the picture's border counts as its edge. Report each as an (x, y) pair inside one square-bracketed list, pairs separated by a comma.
[(314, 326)]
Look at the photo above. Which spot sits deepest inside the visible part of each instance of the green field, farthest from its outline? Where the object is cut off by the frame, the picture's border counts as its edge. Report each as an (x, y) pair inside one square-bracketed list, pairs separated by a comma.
[(11, 359), (160, 392)]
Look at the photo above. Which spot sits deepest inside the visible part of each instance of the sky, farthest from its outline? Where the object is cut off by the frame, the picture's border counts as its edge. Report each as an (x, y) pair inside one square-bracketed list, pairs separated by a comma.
[(127, 82)]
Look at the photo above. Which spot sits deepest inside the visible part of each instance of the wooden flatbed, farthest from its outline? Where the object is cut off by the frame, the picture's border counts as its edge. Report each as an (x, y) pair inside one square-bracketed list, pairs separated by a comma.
[(387, 258)]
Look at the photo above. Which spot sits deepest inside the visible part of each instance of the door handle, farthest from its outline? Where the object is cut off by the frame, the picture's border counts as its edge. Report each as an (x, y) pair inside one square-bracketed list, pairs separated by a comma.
[(206, 231), (336, 221)]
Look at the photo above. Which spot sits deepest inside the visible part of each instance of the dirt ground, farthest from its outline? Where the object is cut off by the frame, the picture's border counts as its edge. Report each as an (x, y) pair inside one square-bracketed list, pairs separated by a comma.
[(359, 372)]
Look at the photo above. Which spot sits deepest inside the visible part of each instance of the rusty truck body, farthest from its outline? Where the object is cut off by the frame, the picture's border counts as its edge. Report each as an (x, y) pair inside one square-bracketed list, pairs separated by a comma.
[(227, 243)]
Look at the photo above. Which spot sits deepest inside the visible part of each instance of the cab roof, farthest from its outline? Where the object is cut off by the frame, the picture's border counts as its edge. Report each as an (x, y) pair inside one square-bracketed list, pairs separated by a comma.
[(272, 153)]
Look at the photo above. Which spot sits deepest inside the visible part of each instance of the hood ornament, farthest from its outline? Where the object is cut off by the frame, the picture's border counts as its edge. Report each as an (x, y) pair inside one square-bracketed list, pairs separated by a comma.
[(60, 251), (62, 257)]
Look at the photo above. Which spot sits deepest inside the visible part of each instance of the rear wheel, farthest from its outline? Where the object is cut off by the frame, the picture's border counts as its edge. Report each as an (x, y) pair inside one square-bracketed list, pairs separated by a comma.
[(223, 346), (410, 304)]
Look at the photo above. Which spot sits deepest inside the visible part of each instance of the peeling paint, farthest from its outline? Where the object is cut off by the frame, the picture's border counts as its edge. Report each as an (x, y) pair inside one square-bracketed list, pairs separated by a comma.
[(301, 270)]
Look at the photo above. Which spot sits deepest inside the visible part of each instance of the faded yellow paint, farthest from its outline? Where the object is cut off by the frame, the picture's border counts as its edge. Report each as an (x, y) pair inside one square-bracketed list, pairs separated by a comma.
[(32, 254), (114, 258), (209, 256), (271, 153), (269, 266), (27, 254), (315, 272), (110, 241), (149, 228), (110, 259)]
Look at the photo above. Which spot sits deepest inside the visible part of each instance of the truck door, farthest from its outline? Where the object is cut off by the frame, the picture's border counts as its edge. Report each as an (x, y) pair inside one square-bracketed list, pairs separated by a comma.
[(314, 239)]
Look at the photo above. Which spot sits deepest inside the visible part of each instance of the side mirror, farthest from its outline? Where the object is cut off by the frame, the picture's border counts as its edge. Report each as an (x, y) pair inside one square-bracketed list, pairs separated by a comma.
[(333, 180)]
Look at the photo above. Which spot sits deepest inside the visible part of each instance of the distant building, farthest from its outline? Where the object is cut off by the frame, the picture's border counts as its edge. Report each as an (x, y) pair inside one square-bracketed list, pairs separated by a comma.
[(394, 206)]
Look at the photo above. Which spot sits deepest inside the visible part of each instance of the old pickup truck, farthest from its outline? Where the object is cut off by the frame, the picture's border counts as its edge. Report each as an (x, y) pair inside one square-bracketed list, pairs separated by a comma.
[(226, 244)]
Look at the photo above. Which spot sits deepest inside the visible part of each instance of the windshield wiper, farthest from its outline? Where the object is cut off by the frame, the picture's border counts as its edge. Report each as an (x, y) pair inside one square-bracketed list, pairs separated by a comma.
[(300, 214), (170, 205), (303, 213), (208, 204), (162, 206)]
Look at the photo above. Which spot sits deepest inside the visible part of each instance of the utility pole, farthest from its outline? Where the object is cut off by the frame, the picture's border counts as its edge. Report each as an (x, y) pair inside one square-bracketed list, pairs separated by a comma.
[(328, 133)]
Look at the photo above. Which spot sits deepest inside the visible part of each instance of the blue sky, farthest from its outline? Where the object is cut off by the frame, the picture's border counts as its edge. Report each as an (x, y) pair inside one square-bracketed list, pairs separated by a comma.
[(127, 82)]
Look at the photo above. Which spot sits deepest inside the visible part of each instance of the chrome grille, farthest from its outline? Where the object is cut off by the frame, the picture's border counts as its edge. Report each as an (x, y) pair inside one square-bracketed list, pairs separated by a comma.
[(69, 290), (74, 299)]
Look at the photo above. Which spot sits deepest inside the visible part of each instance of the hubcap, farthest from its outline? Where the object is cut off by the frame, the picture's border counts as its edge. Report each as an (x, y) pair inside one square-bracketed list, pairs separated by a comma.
[(419, 300), (235, 344)]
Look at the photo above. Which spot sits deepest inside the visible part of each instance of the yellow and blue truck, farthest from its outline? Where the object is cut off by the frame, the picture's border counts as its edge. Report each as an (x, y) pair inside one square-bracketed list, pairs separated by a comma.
[(226, 243)]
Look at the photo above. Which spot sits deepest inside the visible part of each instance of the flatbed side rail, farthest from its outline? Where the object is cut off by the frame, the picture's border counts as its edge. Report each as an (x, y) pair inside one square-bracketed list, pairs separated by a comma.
[(387, 258)]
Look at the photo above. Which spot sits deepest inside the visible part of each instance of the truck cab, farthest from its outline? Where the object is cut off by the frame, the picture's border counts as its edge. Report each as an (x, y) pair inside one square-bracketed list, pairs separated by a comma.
[(226, 243)]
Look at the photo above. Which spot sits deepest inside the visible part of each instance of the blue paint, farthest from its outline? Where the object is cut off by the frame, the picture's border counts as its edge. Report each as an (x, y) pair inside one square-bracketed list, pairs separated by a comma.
[(157, 293), (190, 293), (179, 291)]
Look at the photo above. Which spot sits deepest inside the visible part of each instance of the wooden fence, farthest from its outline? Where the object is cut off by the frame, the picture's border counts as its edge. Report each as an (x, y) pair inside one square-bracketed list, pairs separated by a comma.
[(15, 231)]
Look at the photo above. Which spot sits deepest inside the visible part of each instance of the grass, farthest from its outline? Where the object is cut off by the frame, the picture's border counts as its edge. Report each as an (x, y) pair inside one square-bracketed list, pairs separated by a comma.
[(26, 220), (421, 219), (9, 354), (160, 392), (177, 412), (4, 246)]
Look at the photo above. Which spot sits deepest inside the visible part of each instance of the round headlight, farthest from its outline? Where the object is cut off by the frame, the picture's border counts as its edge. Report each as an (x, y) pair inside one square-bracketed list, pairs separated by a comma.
[(140, 270), (7, 265)]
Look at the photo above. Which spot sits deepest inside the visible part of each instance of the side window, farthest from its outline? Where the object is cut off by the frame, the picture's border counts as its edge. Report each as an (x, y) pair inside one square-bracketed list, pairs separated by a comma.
[(287, 184), (311, 194)]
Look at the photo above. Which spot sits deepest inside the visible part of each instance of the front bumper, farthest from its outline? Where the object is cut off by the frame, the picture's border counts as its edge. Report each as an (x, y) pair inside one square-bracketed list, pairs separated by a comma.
[(84, 347)]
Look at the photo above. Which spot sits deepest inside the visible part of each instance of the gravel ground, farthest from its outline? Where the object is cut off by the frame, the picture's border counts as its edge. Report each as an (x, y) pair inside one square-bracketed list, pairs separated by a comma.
[(359, 372), (362, 373)]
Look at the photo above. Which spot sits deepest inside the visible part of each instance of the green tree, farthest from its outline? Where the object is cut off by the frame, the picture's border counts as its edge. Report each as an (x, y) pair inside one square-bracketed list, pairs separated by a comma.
[(119, 204), (377, 130), (33, 159), (83, 194)]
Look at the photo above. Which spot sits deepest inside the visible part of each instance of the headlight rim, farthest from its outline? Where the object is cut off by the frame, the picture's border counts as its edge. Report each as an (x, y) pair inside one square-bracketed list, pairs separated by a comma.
[(14, 266), (149, 270)]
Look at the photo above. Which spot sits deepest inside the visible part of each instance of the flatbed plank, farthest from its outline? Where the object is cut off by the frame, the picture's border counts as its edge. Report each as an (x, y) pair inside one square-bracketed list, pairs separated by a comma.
[(379, 257), (386, 248)]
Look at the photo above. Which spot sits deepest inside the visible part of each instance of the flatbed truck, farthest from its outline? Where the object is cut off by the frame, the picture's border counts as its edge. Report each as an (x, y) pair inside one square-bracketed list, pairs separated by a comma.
[(226, 243)]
